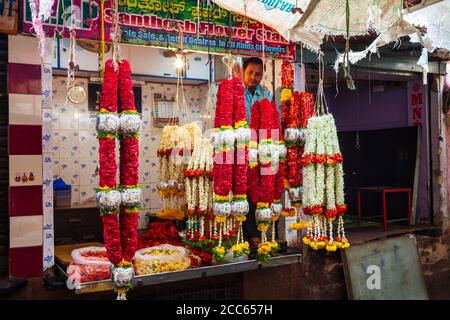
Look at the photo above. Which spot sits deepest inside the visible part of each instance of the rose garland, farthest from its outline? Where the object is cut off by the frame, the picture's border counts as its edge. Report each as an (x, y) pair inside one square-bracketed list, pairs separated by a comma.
[(240, 205), (223, 139), (230, 140), (300, 108), (279, 158), (120, 233), (130, 123), (262, 175)]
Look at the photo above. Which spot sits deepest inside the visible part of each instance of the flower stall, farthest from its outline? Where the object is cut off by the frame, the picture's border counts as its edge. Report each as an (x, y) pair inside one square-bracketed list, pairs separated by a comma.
[(153, 162)]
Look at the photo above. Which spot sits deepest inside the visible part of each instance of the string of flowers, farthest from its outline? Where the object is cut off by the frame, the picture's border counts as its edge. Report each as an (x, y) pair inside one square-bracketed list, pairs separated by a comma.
[(279, 158), (300, 109), (174, 151), (120, 232), (223, 139), (198, 192), (261, 174), (130, 123), (324, 188), (240, 205)]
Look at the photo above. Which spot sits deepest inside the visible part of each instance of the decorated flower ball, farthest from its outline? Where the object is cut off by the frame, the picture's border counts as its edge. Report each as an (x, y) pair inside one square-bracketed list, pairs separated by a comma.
[(173, 184), (217, 139), (222, 208), (130, 122), (302, 135), (242, 134), (229, 137), (108, 122), (121, 276), (263, 214), (108, 199), (131, 197), (282, 151), (252, 155), (240, 207), (162, 185), (276, 209), (265, 150)]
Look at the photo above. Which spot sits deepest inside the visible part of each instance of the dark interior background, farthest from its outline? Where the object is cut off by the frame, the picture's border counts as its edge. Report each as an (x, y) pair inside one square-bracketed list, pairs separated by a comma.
[(385, 158)]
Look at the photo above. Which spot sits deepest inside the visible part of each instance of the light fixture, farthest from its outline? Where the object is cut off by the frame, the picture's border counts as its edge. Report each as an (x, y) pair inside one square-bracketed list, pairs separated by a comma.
[(179, 63)]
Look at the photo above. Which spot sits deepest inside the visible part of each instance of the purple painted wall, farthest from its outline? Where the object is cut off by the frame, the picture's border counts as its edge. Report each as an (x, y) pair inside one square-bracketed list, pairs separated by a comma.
[(353, 110)]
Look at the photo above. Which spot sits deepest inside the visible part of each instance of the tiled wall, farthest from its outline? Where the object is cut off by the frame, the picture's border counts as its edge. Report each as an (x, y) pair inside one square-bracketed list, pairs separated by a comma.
[(75, 149)]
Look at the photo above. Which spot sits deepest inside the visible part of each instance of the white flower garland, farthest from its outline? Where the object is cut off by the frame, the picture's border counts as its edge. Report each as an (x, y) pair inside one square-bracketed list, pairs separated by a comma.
[(339, 171), (309, 194), (320, 168), (330, 169)]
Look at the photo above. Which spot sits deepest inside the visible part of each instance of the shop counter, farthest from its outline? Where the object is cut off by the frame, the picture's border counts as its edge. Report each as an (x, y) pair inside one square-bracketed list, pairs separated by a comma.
[(189, 274)]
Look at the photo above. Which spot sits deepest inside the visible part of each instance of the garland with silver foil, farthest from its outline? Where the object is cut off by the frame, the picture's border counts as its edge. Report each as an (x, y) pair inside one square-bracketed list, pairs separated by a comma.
[(120, 231)]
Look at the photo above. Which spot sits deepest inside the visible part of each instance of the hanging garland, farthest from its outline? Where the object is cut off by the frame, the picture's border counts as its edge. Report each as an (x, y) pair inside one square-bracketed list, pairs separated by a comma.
[(230, 140), (176, 146), (130, 123), (280, 168), (323, 197), (240, 205), (120, 232), (198, 191), (262, 174), (223, 139), (297, 108)]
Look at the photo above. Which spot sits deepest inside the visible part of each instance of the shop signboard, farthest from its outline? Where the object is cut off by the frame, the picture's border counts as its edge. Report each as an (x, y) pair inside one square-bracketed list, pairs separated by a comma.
[(416, 103), (9, 16), (157, 23)]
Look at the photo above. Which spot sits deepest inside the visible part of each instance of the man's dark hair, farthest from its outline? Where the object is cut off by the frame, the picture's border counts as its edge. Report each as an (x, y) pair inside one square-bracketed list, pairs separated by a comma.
[(254, 60)]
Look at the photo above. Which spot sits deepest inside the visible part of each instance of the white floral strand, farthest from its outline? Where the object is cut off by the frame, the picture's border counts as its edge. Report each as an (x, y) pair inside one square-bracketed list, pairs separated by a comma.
[(320, 168)]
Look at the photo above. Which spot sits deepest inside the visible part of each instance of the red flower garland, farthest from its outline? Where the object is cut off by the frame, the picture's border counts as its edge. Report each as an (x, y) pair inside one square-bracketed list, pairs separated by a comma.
[(120, 235), (279, 178), (109, 87), (287, 74), (129, 161), (267, 178), (108, 166), (111, 236), (129, 165), (107, 160), (253, 172), (307, 108), (261, 178), (126, 87), (239, 117), (223, 168)]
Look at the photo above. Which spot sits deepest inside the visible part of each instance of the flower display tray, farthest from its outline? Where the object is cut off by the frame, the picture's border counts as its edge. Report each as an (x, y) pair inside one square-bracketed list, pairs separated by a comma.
[(196, 273)]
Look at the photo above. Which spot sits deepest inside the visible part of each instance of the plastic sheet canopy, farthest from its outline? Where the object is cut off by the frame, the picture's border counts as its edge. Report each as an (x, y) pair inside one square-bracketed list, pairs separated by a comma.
[(319, 18), (436, 19)]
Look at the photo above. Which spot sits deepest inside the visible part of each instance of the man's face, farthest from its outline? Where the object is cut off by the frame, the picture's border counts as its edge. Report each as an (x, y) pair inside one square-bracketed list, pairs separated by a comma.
[(253, 75)]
